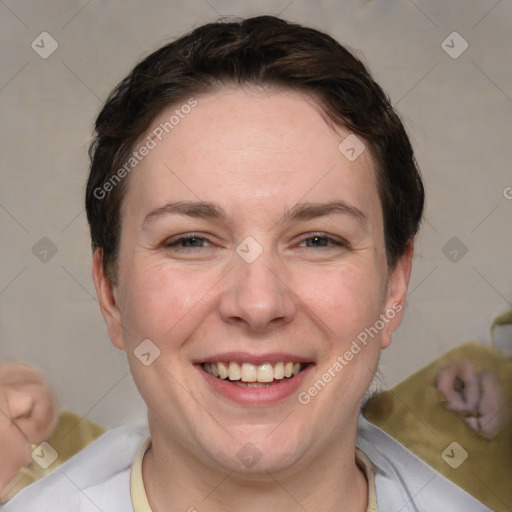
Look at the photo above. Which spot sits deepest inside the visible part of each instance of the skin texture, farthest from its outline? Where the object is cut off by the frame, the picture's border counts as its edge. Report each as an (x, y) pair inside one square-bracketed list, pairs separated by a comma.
[(256, 154), (28, 415)]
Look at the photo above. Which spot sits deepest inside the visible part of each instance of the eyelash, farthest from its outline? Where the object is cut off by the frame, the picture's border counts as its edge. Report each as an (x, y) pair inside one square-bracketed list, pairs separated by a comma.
[(185, 238)]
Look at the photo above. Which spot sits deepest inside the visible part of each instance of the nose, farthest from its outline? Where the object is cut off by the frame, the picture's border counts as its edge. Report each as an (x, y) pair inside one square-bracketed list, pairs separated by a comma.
[(257, 295)]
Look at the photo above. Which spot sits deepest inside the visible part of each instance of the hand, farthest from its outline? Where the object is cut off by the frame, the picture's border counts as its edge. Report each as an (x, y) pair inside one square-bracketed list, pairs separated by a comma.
[(477, 397), (28, 414), (14, 446)]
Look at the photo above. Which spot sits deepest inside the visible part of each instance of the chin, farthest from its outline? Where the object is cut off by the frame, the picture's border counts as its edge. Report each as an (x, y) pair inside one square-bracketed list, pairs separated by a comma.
[(255, 451)]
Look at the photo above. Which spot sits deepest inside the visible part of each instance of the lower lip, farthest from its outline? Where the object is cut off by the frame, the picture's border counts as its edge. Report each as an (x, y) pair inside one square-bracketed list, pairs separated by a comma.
[(255, 396)]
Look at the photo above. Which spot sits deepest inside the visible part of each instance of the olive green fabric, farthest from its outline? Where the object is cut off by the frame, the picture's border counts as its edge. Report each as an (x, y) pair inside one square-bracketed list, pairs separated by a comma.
[(503, 319), (502, 338), (72, 434), (414, 414)]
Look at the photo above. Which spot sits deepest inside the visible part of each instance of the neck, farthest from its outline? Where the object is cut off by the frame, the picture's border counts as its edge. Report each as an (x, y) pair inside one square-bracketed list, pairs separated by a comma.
[(330, 482)]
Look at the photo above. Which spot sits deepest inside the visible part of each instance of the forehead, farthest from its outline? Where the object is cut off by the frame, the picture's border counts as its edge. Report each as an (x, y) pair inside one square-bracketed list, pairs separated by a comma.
[(249, 146)]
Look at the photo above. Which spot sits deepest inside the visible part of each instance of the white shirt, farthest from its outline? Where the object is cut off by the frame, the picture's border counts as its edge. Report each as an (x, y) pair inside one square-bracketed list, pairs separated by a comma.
[(98, 478)]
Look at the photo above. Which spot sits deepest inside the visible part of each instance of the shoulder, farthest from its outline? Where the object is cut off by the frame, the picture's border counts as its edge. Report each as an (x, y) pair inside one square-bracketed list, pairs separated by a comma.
[(404, 482), (97, 478)]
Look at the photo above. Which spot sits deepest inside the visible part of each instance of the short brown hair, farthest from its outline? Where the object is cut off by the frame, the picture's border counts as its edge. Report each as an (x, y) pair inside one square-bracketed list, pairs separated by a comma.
[(264, 51)]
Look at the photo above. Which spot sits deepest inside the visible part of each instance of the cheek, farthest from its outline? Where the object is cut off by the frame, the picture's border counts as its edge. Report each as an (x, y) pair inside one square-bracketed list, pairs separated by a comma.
[(159, 302), (346, 298)]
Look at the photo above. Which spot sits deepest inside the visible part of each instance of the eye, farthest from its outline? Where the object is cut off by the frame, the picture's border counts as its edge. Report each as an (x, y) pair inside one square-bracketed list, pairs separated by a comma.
[(193, 241), (187, 242), (321, 240)]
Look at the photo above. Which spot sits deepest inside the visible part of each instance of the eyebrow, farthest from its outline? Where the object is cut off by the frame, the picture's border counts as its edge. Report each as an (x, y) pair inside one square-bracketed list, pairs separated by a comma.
[(197, 209), (301, 211), (308, 211)]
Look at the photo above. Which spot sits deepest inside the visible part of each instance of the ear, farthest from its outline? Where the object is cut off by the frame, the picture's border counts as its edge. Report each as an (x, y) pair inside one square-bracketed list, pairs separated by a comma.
[(107, 297), (398, 283)]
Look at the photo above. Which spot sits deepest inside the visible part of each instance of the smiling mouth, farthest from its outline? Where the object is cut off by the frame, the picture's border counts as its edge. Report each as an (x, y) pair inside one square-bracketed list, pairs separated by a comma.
[(254, 376)]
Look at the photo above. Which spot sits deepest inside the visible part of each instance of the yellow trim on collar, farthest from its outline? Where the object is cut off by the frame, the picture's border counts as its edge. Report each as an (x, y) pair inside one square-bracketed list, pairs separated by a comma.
[(138, 492)]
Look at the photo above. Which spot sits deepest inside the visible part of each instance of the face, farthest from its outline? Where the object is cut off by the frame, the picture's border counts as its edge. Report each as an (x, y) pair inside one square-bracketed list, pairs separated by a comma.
[(249, 240)]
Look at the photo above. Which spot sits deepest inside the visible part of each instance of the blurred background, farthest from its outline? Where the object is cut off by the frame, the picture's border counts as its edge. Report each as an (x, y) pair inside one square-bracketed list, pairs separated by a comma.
[(446, 67)]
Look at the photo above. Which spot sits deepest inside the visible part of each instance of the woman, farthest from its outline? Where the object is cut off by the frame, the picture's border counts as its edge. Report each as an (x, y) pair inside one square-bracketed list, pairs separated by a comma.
[(253, 200)]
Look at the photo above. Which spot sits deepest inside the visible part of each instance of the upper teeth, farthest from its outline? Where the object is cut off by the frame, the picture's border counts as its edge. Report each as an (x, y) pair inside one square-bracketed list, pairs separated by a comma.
[(247, 372)]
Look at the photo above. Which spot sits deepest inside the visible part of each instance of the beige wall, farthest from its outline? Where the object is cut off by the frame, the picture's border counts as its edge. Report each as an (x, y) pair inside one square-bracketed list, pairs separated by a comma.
[(458, 111)]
